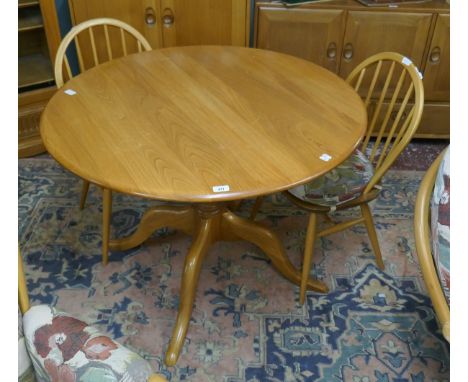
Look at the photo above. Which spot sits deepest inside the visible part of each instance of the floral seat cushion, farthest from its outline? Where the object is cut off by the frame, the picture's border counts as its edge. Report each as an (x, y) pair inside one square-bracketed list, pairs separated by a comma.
[(342, 184), (64, 349), (440, 224)]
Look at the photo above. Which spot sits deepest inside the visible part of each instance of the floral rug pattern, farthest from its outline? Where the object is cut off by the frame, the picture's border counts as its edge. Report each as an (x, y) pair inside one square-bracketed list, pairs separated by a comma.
[(246, 325)]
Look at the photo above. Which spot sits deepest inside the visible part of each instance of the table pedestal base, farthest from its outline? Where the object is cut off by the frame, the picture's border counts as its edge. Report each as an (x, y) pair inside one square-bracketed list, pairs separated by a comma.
[(208, 223)]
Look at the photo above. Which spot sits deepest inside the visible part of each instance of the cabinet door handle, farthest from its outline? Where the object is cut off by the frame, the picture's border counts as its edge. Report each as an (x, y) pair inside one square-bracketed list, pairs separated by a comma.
[(434, 57), (331, 51), (348, 51), (150, 18), (168, 18)]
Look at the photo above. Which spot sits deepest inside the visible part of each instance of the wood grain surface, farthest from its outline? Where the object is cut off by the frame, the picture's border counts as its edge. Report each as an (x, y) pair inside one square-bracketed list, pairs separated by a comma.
[(173, 123)]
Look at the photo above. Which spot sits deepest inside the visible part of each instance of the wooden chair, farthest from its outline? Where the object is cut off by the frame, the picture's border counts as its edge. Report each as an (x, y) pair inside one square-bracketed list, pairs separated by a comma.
[(392, 90), (23, 302), (423, 239), (114, 37)]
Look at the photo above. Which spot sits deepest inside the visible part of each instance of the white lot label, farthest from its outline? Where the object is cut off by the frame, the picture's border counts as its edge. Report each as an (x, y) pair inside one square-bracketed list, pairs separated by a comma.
[(70, 92), (406, 61), (325, 157), (221, 188)]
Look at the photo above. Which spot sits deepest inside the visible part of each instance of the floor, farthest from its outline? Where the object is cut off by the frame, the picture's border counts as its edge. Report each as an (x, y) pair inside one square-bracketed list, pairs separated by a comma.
[(247, 324)]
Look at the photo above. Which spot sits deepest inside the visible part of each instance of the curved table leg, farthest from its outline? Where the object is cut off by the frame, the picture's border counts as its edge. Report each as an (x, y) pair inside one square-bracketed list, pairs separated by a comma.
[(235, 227), (204, 237), (208, 223), (178, 217)]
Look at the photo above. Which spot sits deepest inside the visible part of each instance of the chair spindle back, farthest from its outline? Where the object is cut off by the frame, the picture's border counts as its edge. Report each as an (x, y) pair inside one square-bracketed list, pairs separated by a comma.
[(392, 90), (98, 37)]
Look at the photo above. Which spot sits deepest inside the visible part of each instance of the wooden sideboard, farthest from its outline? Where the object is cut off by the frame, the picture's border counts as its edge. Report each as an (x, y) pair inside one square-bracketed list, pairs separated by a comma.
[(167, 23), (339, 34)]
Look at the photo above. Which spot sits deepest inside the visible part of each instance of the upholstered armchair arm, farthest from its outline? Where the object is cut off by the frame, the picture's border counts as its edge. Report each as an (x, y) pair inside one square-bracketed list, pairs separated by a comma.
[(156, 378), (65, 348), (424, 247)]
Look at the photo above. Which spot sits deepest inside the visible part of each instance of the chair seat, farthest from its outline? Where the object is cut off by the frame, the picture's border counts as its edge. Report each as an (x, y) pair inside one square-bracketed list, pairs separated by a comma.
[(342, 184), (440, 224), (63, 348)]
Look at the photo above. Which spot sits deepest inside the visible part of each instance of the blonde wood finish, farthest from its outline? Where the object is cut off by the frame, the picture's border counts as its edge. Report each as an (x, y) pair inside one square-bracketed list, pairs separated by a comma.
[(30, 146), (166, 23), (23, 298), (337, 227), (106, 218), (180, 218), (369, 223), (309, 248), (422, 234), (384, 76), (434, 121), (90, 29), (368, 33), (256, 207), (208, 223), (318, 39), (296, 109), (30, 106), (84, 194), (193, 118), (429, 6), (91, 26), (51, 26), (157, 378), (207, 22), (437, 70), (143, 15)]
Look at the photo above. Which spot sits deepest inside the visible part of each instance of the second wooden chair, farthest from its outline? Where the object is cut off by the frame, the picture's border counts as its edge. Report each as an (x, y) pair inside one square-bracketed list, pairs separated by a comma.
[(392, 91)]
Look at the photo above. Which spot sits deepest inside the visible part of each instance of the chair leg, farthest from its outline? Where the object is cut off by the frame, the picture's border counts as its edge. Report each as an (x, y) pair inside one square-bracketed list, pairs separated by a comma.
[(256, 207), (84, 193), (106, 217), (328, 219), (366, 213), (308, 254)]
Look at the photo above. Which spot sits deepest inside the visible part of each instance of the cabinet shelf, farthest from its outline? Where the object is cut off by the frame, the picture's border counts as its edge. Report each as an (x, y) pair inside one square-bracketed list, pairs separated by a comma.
[(33, 70), (29, 18), (27, 3)]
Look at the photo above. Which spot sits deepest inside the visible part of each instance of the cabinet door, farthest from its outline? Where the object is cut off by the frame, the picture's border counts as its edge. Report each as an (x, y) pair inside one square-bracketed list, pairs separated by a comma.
[(204, 22), (312, 34), (437, 72), (370, 32), (144, 15)]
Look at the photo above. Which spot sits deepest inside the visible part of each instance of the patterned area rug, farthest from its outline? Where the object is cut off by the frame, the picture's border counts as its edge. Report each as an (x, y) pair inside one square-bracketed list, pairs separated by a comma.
[(246, 324)]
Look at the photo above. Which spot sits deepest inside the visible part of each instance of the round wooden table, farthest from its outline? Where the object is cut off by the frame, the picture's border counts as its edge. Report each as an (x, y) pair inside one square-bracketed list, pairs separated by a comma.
[(203, 125)]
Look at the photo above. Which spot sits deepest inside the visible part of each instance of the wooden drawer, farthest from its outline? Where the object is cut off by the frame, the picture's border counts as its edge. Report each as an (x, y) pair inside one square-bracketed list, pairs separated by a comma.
[(435, 121)]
